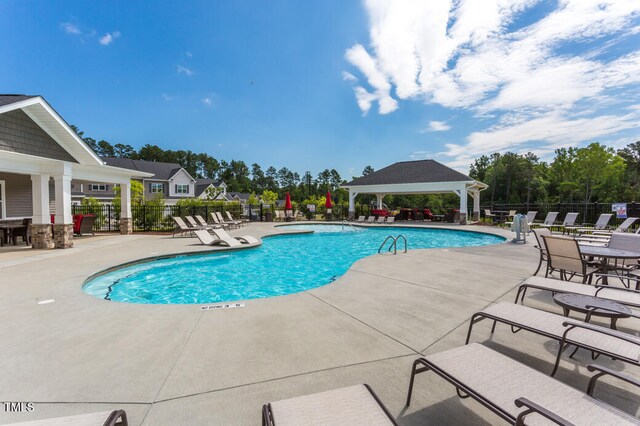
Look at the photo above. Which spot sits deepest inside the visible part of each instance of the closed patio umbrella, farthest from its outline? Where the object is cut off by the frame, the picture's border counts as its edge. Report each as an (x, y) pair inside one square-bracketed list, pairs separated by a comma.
[(287, 206), (328, 205)]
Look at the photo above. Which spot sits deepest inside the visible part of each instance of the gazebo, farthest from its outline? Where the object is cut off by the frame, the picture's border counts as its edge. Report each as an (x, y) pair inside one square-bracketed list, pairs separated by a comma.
[(418, 177)]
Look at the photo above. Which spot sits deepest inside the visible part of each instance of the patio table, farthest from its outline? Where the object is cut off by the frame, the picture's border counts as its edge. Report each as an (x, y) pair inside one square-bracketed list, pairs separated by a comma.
[(8, 231), (579, 302), (605, 254)]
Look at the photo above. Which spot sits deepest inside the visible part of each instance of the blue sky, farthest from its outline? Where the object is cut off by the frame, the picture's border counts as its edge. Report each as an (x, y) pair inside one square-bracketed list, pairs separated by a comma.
[(333, 84)]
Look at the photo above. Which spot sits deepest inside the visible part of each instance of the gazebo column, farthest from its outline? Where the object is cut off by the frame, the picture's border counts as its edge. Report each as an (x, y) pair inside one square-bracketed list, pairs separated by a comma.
[(475, 194), (41, 235), (63, 225), (126, 222), (352, 204), (379, 198), (463, 205)]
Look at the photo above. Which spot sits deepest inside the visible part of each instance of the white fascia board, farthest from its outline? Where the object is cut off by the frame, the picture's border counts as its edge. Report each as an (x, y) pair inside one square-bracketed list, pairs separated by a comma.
[(409, 188), (20, 104), (14, 162), (41, 112), (185, 172)]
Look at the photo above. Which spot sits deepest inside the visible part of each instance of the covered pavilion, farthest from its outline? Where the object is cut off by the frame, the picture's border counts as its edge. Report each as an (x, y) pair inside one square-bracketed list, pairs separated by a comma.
[(418, 177), (39, 156)]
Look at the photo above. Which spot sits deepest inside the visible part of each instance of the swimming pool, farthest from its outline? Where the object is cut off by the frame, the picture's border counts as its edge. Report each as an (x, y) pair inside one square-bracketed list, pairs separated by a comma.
[(283, 264)]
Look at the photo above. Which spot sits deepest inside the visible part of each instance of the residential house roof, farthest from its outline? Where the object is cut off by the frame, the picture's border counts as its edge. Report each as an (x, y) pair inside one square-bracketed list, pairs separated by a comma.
[(160, 170), (10, 99), (421, 171), (240, 195)]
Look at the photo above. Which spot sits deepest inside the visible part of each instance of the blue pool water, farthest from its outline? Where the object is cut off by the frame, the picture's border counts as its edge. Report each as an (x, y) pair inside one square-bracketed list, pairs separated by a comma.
[(284, 264)]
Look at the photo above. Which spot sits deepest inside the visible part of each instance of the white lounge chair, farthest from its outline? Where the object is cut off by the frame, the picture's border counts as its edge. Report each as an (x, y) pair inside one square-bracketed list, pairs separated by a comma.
[(244, 239), (234, 223), (207, 239), (568, 222), (217, 221), (182, 227), (241, 221), (380, 219), (549, 221), (602, 340), (353, 405), (371, 219), (600, 225), (518, 393), (390, 219), (104, 418), (360, 219)]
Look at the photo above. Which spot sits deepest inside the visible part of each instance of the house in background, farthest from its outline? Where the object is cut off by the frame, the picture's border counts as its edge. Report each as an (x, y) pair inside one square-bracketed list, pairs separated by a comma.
[(211, 189), (39, 157)]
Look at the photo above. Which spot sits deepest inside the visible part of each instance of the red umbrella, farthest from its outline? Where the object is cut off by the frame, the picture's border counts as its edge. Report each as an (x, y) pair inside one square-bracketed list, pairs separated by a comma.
[(287, 202), (328, 203)]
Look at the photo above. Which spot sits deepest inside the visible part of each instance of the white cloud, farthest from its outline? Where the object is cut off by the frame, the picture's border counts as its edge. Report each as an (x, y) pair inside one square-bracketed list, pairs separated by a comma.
[(166, 97), (188, 54), (207, 101), (184, 70), (437, 126), (70, 28), (108, 38), (562, 78)]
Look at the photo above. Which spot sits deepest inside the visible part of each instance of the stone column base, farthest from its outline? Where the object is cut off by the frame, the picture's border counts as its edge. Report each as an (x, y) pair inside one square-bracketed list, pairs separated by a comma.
[(41, 237), (463, 218), (476, 216), (63, 235), (352, 215), (126, 226)]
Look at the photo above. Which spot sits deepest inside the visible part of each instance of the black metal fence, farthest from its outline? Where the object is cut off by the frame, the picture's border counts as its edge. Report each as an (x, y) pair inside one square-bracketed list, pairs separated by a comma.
[(588, 212)]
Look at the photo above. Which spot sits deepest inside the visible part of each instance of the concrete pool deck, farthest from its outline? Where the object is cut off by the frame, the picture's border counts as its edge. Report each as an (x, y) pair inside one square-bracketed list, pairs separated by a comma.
[(179, 364)]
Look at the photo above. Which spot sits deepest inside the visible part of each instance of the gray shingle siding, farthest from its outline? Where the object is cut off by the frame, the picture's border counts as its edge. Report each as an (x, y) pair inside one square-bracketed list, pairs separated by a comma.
[(10, 99), (18, 133), (18, 201)]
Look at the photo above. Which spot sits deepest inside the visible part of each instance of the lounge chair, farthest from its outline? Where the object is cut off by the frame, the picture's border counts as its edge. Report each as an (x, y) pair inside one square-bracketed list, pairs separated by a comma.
[(565, 257), (353, 405), (103, 418), (235, 223), (568, 222), (531, 216), (195, 224), (542, 248), (244, 239), (371, 219), (182, 227), (217, 221), (518, 393), (596, 338), (381, 219), (549, 221), (600, 225), (624, 296), (390, 219), (201, 220), (231, 219), (623, 227), (489, 215), (207, 239), (360, 219)]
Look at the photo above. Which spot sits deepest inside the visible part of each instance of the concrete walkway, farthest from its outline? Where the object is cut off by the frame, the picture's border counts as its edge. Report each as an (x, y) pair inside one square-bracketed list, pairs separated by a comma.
[(178, 364)]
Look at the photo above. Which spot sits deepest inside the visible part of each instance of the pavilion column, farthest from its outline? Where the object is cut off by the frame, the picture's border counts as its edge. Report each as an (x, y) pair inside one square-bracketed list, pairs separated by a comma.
[(379, 198), (352, 204), (463, 205), (41, 234), (126, 221), (476, 205), (63, 224)]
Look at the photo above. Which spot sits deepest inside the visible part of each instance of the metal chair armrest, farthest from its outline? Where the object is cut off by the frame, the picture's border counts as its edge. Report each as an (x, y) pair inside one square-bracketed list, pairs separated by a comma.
[(599, 308), (598, 329), (116, 415), (532, 407), (602, 371)]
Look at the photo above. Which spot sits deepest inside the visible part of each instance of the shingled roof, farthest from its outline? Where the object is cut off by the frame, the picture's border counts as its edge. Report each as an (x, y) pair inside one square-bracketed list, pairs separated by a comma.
[(422, 171), (10, 99), (160, 170)]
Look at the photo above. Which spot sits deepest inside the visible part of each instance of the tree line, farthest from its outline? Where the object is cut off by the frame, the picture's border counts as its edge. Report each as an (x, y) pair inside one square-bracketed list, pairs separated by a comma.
[(595, 173), (236, 174)]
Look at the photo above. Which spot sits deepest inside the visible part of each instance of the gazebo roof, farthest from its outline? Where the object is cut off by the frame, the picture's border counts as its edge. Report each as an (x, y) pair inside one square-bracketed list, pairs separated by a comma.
[(422, 171)]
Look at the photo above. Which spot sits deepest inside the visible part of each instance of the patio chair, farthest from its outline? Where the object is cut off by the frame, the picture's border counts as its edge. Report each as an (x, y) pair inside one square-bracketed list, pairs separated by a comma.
[(542, 248), (623, 227), (565, 257), (240, 221), (207, 239), (353, 405), (217, 221), (360, 219), (624, 296), (182, 227), (235, 223), (194, 224), (244, 239), (489, 215), (380, 219), (549, 221), (24, 232), (567, 331), (104, 418), (600, 225), (390, 219), (371, 219), (202, 222), (518, 393), (568, 222)]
